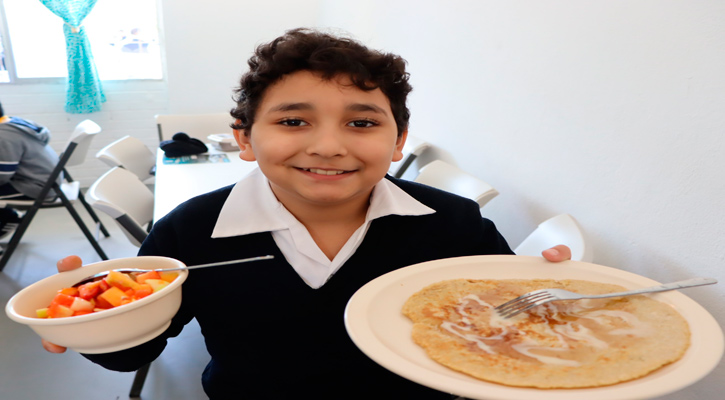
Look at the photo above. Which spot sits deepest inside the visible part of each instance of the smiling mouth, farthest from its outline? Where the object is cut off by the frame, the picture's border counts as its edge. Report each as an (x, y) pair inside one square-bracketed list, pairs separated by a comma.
[(324, 171)]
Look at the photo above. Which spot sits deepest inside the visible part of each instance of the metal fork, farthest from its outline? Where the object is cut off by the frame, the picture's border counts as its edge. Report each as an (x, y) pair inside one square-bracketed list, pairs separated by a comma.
[(538, 297)]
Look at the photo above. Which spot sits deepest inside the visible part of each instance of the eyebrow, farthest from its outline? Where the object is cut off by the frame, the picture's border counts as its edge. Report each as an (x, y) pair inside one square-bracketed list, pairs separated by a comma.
[(291, 107), (365, 107)]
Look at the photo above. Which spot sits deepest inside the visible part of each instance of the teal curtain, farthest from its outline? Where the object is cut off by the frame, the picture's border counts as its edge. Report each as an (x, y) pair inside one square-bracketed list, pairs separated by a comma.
[(83, 93)]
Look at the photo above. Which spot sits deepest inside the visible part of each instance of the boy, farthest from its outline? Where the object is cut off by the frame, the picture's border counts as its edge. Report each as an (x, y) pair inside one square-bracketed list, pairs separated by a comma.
[(323, 117)]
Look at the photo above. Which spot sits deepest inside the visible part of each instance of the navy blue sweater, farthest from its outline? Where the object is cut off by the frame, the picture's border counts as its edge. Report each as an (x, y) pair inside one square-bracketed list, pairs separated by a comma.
[(272, 336)]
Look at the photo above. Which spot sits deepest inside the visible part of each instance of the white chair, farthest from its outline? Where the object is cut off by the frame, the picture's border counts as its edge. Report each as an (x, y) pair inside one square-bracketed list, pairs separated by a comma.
[(68, 191), (444, 176), (120, 194), (129, 153), (561, 229), (198, 126), (412, 149)]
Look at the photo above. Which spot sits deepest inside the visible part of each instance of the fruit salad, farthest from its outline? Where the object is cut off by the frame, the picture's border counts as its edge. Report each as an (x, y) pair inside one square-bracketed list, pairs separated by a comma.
[(116, 289)]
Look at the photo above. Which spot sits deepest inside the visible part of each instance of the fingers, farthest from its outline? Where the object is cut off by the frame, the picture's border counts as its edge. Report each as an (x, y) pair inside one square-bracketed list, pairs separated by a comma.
[(69, 263), (53, 348), (557, 253)]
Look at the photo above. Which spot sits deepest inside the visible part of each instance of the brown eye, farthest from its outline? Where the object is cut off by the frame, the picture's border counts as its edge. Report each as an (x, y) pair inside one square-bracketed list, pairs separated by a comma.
[(363, 123), (293, 122)]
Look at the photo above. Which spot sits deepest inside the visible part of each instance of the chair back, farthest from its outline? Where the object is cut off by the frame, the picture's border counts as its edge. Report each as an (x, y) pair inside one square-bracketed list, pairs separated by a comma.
[(561, 229), (198, 126), (129, 153), (439, 174), (120, 194), (412, 149), (80, 142)]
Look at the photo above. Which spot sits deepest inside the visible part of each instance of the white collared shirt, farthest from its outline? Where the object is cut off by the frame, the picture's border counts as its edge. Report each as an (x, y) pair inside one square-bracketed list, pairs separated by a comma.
[(253, 208)]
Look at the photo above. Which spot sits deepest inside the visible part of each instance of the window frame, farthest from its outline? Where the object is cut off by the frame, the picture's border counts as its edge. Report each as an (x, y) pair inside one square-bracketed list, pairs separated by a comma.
[(10, 60)]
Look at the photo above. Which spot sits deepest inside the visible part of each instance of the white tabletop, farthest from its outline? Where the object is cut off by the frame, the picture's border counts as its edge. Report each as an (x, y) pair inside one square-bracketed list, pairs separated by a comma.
[(178, 182)]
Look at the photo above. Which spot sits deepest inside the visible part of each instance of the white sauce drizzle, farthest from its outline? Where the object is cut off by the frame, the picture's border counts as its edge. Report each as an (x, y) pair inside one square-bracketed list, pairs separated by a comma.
[(563, 331)]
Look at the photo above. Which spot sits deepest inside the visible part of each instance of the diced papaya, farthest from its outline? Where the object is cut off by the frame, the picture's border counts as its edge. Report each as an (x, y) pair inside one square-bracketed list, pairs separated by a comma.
[(89, 290), (111, 296), (168, 276), (126, 300), (82, 312), (141, 278), (120, 280), (157, 284), (62, 299), (70, 291), (104, 285), (59, 311), (144, 290)]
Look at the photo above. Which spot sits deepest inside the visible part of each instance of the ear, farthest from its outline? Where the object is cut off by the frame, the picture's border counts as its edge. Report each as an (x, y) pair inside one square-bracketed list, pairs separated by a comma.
[(399, 144), (245, 145)]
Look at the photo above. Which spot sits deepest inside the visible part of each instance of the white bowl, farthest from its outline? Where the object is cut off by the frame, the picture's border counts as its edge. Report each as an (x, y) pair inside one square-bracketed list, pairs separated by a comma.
[(106, 331)]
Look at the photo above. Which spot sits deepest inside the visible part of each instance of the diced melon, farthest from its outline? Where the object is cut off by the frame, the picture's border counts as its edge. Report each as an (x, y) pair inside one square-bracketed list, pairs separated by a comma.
[(141, 278), (112, 296), (42, 312), (168, 276), (59, 311), (80, 304), (157, 284), (121, 279)]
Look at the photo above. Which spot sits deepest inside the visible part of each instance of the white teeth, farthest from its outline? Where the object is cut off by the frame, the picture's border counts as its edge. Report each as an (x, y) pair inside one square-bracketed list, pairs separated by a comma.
[(325, 171)]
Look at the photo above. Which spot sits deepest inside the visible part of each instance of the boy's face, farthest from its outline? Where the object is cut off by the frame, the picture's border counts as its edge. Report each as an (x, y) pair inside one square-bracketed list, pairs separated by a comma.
[(322, 142)]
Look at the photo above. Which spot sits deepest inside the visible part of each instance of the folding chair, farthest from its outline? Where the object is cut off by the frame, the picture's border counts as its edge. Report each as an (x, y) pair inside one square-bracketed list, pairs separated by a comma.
[(444, 176), (129, 153), (121, 194), (74, 154), (197, 126), (561, 229)]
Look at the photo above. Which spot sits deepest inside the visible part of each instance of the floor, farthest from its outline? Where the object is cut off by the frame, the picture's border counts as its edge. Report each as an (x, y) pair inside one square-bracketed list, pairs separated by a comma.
[(27, 371)]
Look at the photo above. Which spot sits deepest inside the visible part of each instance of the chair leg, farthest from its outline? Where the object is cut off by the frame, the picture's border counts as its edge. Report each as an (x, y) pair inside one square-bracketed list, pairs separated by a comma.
[(93, 214), (138, 381), (19, 232), (82, 225)]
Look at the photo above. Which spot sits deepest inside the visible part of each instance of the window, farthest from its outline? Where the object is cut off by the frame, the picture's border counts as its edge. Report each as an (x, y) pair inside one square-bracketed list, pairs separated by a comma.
[(124, 38)]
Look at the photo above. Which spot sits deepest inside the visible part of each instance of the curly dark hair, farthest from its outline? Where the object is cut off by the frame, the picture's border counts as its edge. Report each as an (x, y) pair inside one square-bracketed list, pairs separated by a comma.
[(329, 56)]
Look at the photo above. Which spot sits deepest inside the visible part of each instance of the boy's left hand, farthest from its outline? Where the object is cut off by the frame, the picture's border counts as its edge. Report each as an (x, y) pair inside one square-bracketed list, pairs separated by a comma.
[(557, 253)]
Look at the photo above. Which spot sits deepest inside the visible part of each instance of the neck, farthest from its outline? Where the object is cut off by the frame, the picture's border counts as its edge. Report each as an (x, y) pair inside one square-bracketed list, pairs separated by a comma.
[(330, 225)]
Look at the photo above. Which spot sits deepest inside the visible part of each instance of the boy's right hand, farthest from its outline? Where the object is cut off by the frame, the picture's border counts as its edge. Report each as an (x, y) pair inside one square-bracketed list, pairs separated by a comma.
[(66, 264)]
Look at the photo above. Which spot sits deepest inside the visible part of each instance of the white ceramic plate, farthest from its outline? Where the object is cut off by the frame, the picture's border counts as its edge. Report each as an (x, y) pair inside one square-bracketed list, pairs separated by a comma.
[(375, 323)]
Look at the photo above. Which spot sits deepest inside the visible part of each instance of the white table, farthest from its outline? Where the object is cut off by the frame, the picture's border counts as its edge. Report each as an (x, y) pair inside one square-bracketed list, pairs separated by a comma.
[(176, 183)]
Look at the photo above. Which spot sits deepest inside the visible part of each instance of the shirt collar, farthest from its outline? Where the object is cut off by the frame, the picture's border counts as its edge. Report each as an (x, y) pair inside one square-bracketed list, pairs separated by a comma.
[(253, 208)]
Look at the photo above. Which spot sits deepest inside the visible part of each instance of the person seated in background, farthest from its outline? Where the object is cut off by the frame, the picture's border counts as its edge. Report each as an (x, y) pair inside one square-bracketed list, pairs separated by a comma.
[(324, 117), (26, 162)]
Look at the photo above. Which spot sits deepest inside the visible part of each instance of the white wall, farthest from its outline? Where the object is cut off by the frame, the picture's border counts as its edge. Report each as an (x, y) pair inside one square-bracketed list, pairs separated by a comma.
[(208, 44), (129, 110)]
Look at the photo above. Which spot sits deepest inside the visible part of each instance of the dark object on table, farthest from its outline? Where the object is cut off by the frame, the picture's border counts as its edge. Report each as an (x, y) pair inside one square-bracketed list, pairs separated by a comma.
[(182, 145)]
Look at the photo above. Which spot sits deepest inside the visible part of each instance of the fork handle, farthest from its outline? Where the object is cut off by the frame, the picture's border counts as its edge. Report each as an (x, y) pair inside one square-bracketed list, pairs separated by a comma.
[(661, 288)]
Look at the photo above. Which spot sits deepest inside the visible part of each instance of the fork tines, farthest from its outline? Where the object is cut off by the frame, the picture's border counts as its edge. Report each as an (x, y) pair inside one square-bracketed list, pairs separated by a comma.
[(523, 303)]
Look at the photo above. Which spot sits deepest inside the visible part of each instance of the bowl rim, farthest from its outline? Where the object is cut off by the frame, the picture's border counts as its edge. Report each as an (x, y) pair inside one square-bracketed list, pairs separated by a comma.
[(13, 314)]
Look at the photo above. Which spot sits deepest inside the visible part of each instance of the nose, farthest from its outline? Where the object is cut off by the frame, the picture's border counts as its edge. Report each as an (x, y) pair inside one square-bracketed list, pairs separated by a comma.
[(328, 142)]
